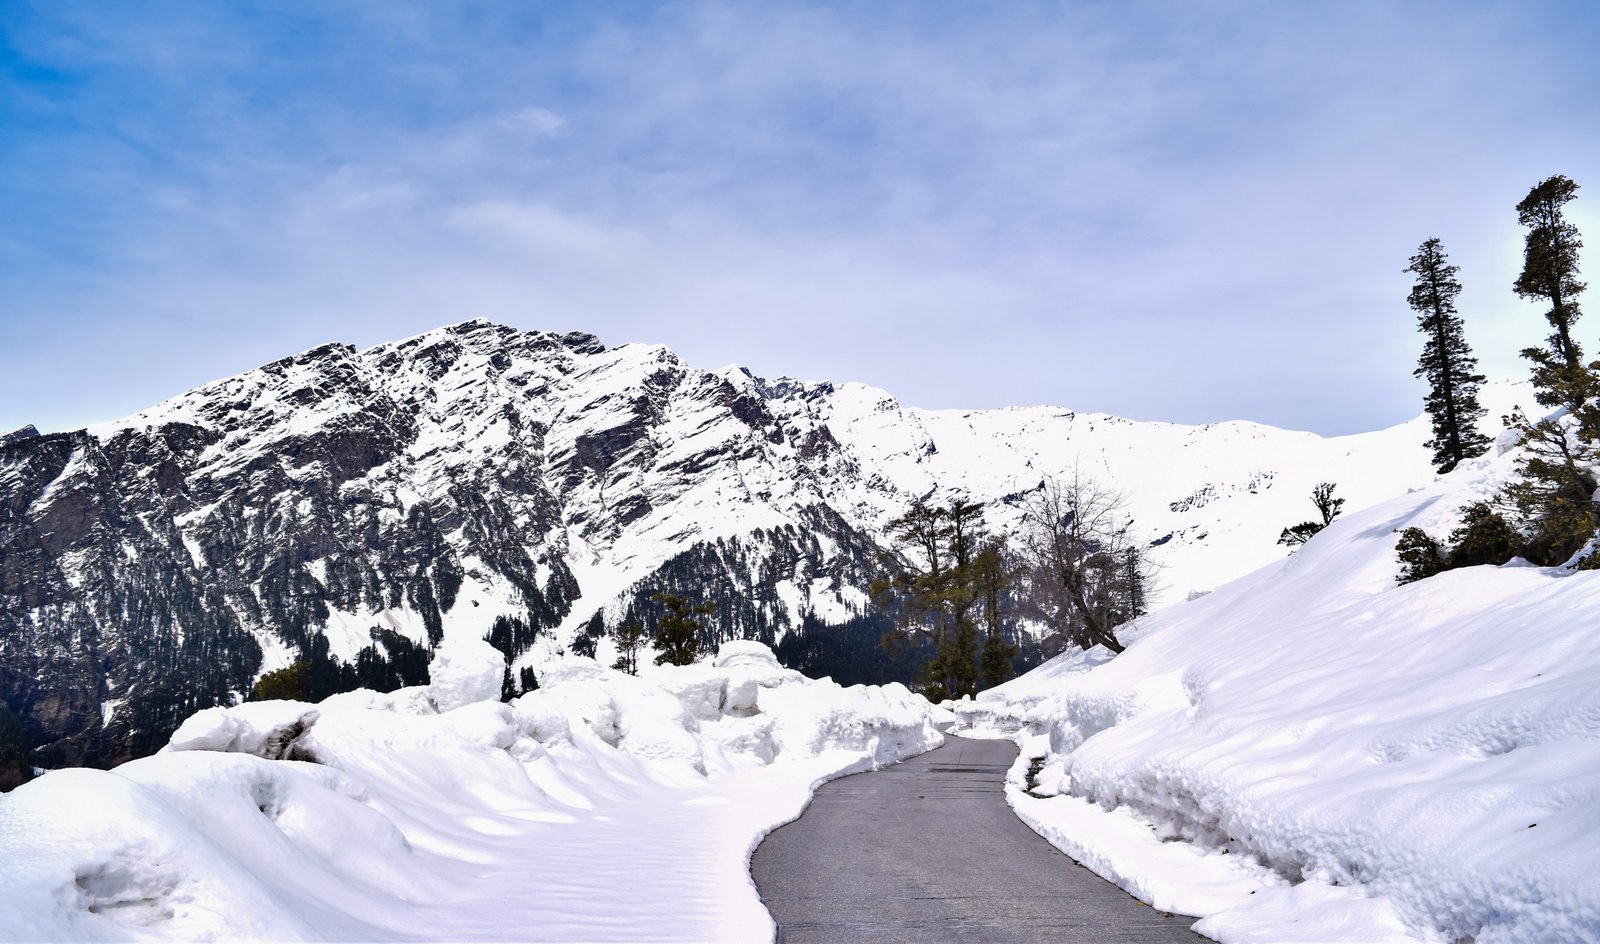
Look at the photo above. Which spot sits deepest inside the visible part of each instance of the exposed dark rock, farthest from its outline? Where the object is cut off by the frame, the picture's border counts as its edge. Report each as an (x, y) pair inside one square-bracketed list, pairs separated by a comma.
[(26, 432), (146, 571)]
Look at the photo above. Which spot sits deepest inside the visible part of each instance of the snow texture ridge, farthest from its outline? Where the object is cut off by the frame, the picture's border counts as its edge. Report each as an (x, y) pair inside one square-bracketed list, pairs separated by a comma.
[(601, 807), (1313, 753)]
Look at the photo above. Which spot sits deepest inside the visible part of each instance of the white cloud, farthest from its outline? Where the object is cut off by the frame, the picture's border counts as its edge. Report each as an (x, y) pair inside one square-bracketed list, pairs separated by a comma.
[(1189, 213)]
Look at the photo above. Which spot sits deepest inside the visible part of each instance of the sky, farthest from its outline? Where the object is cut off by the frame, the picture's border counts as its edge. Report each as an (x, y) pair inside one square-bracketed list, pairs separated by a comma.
[(1185, 211)]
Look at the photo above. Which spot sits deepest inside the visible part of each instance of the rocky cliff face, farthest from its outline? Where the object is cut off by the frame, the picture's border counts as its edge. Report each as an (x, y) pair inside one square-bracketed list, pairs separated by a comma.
[(352, 508)]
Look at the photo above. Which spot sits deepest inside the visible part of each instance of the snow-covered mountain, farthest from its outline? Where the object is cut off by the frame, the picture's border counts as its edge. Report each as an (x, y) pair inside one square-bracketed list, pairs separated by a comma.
[(356, 507)]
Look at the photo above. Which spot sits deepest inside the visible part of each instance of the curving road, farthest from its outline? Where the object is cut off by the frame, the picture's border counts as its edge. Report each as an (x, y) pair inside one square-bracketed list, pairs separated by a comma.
[(928, 850)]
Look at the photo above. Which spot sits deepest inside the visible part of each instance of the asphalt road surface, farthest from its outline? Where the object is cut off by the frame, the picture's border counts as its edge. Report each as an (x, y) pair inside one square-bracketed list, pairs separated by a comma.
[(927, 851)]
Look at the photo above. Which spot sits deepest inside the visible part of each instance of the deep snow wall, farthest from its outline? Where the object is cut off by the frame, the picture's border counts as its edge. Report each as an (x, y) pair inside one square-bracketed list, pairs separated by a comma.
[(602, 807)]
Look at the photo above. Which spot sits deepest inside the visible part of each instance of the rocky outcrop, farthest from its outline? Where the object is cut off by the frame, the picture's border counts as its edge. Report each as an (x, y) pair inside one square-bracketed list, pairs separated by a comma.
[(26, 432), (348, 509)]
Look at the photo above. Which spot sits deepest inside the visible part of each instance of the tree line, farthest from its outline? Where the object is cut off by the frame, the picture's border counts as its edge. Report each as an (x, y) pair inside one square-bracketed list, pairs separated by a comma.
[(1073, 566), (1547, 514), (678, 637)]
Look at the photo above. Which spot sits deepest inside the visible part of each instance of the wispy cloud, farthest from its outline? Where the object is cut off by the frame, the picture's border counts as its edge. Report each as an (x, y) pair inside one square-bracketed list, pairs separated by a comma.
[(1184, 211)]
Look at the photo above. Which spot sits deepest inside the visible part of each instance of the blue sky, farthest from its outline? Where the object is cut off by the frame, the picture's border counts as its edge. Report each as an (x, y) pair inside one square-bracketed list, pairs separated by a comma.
[(1188, 211)]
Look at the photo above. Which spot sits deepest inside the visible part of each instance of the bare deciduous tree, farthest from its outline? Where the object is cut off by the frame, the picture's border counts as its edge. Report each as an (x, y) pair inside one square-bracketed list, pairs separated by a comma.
[(1327, 506), (1087, 573)]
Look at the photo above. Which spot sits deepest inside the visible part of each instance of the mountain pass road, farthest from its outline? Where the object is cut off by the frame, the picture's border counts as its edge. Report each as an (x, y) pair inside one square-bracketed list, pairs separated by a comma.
[(928, 850)]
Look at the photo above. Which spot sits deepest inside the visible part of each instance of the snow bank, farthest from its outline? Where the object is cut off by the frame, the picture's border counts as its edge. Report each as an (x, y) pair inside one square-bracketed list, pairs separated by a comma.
[(1315, 753), (463, 670), (266, 729), (600, 807)]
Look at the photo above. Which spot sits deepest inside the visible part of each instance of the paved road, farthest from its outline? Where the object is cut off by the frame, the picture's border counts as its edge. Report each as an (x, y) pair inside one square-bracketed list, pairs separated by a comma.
[(928, 851)]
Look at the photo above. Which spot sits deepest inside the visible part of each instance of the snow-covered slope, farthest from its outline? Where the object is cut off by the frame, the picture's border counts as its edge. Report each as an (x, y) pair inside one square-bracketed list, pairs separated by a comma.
[(600, 808), (1212, 499), (353, 508), (1342, 758)]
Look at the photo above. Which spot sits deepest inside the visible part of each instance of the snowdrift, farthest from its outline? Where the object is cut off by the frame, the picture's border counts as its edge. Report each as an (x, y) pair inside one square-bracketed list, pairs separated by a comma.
[(599, 807), (1313, 753)]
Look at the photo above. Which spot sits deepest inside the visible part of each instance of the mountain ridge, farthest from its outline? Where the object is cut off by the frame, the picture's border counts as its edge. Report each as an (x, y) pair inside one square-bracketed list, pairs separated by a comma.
[(354, 507)]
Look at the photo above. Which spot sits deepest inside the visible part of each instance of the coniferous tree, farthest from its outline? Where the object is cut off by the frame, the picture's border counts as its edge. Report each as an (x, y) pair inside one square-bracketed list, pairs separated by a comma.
[(960, 592), (1554, 498), (1447, 362), (913, 586), (852, 651), (999, 657), (678, 633), (630, 639), (960, 661), (1420, 555), (992, 577), (1550, 276), (1131, 588), (948, 590), (1483, 537), (289, 683), (16, 765)]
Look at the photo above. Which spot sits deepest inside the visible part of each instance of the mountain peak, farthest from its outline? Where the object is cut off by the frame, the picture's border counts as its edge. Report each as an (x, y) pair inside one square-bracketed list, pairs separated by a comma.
[(485, 331), (27, 432)]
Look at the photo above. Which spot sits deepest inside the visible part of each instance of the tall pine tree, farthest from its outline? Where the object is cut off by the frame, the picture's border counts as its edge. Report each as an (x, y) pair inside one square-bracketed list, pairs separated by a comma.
[(960, 592), (1447, 362), (1554, 499), (1550, 276)]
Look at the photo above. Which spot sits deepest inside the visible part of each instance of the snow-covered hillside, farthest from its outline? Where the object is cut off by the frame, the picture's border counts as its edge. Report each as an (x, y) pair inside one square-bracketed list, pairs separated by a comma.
[(1211, 499), (600, 808), (353, 508), (1313, 753)]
